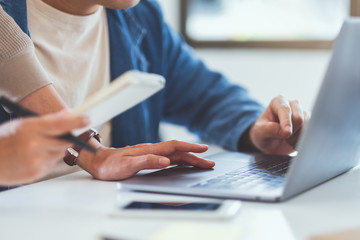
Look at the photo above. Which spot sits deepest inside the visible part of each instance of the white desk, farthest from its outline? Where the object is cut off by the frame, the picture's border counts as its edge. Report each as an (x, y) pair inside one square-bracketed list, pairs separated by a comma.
[(77, 207)]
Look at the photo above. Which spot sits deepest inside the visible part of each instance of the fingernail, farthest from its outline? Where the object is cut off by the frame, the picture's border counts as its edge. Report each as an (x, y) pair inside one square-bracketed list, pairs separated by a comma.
[(211, 162), (288, 128)]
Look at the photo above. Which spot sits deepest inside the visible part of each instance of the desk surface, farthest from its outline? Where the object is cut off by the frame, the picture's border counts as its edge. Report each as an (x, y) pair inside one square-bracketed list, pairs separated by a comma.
[(77, 207)]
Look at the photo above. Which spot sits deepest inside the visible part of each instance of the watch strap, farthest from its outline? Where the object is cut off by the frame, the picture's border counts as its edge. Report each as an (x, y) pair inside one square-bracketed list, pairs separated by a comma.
[(73, 152)]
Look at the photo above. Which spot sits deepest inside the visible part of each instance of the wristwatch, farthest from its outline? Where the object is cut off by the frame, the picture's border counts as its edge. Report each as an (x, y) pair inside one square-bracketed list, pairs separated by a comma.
[(73, 152)]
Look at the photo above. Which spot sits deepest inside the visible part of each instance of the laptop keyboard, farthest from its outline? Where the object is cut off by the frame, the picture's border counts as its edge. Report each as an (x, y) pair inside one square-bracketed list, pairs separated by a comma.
[(266, 174)]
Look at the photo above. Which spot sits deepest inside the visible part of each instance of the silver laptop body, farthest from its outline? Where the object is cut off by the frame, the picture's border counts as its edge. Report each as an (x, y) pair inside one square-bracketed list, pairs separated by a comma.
[(327, 148)]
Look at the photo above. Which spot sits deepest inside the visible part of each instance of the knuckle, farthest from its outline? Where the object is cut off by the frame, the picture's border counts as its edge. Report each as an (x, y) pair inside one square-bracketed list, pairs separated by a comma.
[(143, 145), (284, 106), (149, 158), (174, 142), (279, 100), (296, 101), (281, 97), (30, 147), (172, 145), (298, 119), (143, 148)]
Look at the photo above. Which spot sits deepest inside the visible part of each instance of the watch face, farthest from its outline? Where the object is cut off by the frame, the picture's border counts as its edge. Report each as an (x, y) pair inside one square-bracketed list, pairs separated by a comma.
[(96, 135), (73, 152), (70, 156)]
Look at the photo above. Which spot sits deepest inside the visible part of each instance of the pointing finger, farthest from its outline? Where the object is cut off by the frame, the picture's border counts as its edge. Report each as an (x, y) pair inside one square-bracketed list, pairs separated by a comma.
[(191, 159), (298, 116), (167, 148), (281, 108), (148, 161)]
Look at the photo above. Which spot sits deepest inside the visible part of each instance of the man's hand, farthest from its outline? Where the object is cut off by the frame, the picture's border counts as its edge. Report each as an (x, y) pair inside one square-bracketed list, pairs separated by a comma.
[(122, 163), (277, 130), (29, 147)]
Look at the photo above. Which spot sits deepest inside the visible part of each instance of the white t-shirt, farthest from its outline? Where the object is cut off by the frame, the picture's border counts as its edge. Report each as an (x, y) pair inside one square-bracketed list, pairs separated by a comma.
[(74, 50)]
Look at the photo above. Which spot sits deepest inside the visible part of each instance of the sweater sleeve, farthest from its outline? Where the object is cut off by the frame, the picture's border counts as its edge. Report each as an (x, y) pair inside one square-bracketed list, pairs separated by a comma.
[(20, 70), (202, 99)]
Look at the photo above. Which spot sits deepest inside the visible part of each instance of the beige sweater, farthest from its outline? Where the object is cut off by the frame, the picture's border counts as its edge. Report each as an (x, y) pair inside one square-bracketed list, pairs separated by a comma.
[(20, 70)]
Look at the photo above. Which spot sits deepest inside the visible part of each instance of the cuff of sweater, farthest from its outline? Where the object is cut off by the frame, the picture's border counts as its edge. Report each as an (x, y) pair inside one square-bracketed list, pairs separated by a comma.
[(244, 143), (22, 75)]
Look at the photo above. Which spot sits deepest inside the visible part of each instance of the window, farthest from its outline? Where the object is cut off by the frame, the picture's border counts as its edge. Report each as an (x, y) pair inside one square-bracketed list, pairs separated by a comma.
[(264, 23)]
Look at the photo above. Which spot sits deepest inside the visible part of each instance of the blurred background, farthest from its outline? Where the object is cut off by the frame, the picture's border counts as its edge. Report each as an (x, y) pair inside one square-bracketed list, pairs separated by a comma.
[(269, 46)]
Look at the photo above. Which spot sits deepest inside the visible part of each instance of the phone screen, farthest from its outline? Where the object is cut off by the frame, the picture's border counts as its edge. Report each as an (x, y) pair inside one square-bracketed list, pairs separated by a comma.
[(193, 206)]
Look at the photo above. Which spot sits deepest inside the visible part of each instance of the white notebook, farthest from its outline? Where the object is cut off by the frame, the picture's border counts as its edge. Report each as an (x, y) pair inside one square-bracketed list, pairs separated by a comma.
[(126, 91)]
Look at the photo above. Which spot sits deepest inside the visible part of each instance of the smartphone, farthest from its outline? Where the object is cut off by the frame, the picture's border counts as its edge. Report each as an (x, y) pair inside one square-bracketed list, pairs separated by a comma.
[(214, 209)]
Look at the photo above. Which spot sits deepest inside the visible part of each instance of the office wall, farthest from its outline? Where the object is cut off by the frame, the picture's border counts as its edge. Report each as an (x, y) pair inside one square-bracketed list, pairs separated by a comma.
[(171, 10), (266, 73)]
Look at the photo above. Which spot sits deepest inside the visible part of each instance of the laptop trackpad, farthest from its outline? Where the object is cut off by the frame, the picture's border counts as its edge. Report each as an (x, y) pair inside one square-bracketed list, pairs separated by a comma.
[(185, 175)]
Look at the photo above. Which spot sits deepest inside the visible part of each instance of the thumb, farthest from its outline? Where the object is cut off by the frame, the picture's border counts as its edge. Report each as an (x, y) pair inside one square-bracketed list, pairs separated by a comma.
[(271, 130)]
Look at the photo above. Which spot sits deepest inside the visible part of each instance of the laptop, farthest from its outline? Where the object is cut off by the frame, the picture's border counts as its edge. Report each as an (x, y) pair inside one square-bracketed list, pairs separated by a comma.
[(327, 147)]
